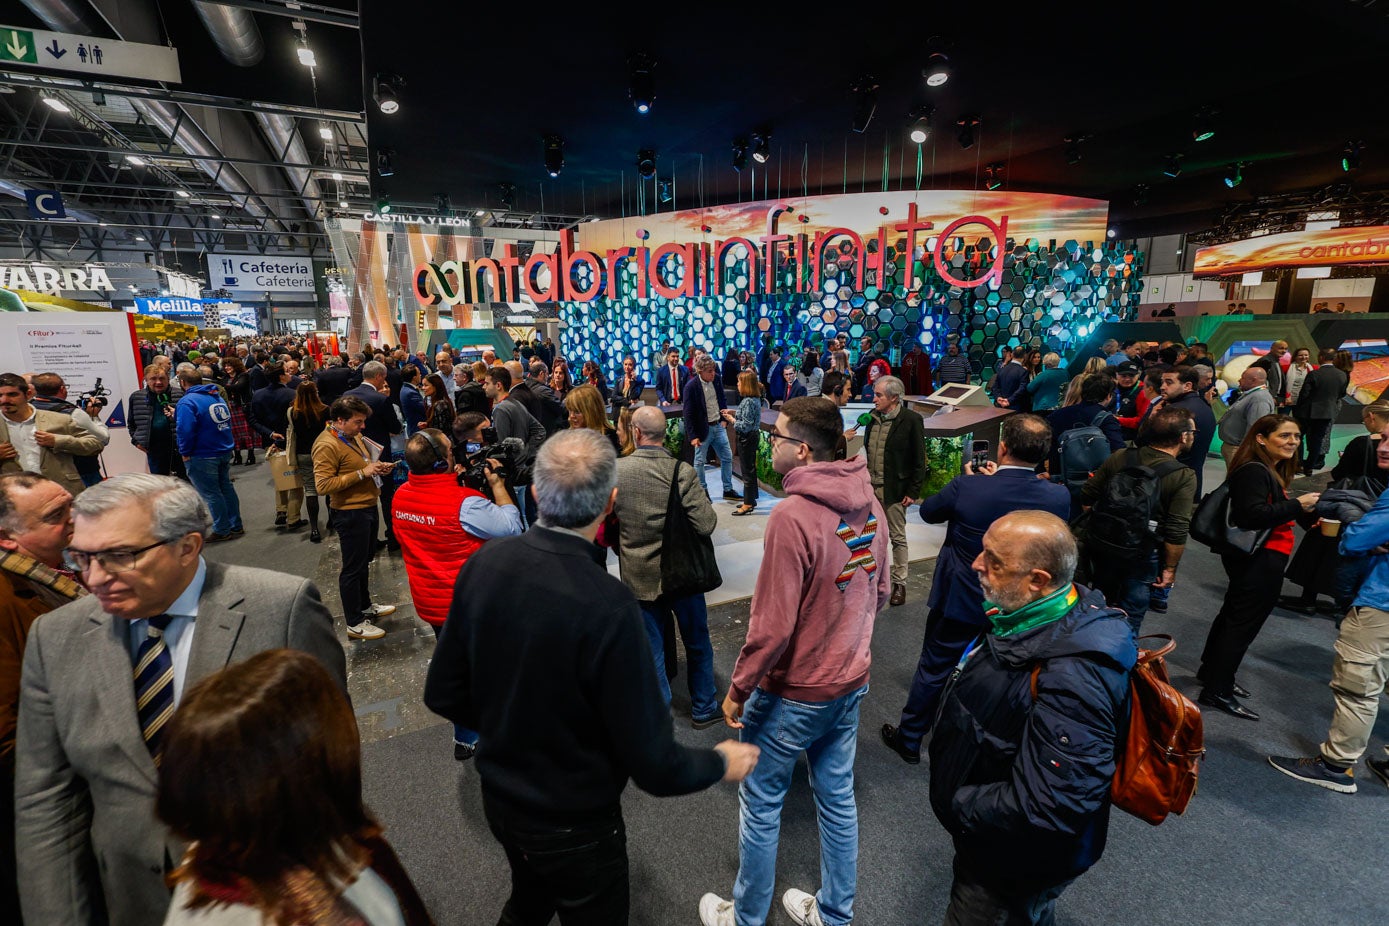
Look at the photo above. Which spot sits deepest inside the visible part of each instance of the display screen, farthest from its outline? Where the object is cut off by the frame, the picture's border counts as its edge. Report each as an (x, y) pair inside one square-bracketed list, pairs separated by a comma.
[(952, 392)]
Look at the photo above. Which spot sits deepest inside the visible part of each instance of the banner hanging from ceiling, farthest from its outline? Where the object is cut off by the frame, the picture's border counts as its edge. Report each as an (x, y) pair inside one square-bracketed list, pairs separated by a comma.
[(1324, 247)]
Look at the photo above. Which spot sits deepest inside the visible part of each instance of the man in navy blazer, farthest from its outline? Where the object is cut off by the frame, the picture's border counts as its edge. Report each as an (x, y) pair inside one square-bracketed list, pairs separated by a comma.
[(671, 368), (704, 426), (969, 504)]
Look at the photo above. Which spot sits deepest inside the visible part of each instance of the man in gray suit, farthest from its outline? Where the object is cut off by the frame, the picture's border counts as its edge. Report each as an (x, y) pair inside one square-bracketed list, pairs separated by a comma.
[(159, 619), (643, 490)]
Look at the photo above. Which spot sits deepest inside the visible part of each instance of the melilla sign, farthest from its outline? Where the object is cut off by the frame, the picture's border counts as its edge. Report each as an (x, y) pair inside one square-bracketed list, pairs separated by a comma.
[(43, 278), (91, 57), (573, 275)]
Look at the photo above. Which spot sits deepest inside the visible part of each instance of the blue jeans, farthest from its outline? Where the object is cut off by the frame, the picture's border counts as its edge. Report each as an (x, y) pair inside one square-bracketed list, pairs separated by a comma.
[(718, 439), (693, 620), (211, 476), (827, 731), (1127, 586)]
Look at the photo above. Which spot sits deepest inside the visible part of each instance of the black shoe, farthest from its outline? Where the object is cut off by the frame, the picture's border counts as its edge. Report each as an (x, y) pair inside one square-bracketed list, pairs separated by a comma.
[(733, 496), (1297, 604), (250, 459), (892, 738), (236, 459), (707, 722), (464, 751), (238, 531), (295, 526), (1226, 703), (315, 536), (280, 519), (1239, 690)]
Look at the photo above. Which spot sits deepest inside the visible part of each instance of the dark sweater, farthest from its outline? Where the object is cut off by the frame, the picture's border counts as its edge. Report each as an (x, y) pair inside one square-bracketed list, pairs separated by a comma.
[(564, 696)]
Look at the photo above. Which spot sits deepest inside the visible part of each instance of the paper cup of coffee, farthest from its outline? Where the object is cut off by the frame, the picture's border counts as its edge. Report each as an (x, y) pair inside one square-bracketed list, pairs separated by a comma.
[(1330, 527)]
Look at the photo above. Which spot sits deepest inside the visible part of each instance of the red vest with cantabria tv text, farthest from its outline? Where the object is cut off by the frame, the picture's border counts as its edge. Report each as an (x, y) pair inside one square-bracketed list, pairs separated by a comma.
[(433, 543)]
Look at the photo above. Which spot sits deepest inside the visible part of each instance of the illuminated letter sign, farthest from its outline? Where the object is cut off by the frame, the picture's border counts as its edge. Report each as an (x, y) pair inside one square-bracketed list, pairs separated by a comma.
[(995, 273)]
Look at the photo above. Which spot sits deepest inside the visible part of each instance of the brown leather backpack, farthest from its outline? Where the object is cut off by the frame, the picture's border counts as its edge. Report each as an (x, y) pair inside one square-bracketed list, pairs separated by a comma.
[(1155, 770)]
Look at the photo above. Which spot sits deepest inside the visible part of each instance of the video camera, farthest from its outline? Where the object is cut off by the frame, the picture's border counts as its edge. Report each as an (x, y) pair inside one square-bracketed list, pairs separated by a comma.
[(508, 453), (97, 394)]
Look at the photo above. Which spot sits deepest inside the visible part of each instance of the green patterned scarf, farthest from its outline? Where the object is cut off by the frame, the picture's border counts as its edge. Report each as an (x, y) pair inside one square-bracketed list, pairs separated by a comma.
[(1034, 614)]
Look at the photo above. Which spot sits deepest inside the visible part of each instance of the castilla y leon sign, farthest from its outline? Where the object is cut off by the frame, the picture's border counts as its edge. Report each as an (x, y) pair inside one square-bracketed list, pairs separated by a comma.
[(44, 278), (1324, 247)]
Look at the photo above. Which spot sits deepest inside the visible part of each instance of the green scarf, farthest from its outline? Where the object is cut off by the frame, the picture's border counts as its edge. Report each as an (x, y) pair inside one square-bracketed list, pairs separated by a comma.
[(1034, 614)]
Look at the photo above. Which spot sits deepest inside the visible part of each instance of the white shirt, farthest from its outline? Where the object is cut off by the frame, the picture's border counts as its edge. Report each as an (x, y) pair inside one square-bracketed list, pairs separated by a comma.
[(178, 636), (22, 437)]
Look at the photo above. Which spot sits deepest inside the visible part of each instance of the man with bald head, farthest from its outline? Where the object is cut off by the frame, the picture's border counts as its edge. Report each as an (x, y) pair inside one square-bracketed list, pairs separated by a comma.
[(1254, 402), (1020, 775), (643, 488)]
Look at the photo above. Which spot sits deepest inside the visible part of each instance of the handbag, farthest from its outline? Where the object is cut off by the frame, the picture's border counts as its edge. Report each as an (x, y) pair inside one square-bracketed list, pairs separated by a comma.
[(1371, 486), (1210, 524), (688, 566)]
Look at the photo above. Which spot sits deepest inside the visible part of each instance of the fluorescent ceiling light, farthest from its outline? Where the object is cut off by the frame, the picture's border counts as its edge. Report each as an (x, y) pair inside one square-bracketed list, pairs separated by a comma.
[(139, 237), (182, 193), (53, 103), (135, 159)]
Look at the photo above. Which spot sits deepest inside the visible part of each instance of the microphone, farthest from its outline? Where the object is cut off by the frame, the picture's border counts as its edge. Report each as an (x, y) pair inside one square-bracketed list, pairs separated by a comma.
[(864, 420), (515, 447)]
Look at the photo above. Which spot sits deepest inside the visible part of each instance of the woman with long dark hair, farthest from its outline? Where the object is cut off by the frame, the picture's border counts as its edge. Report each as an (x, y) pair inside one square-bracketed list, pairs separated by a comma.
[(1260, 472), (593, 376), (295, 847), (441, 410), (308, 416), (239, 398), (812, 373)]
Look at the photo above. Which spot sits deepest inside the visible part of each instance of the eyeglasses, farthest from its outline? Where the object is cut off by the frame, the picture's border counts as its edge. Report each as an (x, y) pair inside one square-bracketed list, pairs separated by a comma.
[(113, 561), (777, 435)]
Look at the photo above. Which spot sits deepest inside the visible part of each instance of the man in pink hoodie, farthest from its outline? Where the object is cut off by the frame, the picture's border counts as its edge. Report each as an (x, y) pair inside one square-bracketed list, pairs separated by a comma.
[(804, 668)]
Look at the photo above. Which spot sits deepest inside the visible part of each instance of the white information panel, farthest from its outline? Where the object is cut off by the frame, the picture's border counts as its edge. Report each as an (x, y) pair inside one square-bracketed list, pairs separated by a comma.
[(79, 347)]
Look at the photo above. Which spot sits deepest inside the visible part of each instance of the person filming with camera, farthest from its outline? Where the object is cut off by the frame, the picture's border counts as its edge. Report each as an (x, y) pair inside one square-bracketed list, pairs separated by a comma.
[(441, 520)]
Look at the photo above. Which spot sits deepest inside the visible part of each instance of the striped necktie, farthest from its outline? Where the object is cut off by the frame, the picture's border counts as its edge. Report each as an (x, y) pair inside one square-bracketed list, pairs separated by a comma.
[(154, 685)]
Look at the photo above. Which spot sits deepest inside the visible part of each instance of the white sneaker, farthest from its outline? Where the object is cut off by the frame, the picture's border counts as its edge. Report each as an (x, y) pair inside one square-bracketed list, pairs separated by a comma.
[(366, 630), (800, 906), (715, 911), (379, 610)]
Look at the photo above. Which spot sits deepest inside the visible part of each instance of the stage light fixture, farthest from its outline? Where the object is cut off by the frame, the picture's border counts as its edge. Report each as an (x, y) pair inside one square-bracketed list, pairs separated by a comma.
[(762, 150), (994, 174), (666, 195), (967, 126), (306, 56), (325, 133), (740, 153), (507, 192), (1073, 151), (1140, 194), (55, 104), (1111, 233), (385, 162), (554, 154), (1203, 128), (443, 204), (866, 89), (480, 213), (646, 163), (1350, 155), (182, 194), (1173, 167), (386, 92), (641, 84), (937, 70), (383, 205), (342, 204), (337, 175), (921, 124), (1234, 174)]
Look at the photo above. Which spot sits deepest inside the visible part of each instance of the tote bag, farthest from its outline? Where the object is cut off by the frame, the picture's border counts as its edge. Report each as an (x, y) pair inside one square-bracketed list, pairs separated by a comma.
[(688, 566)]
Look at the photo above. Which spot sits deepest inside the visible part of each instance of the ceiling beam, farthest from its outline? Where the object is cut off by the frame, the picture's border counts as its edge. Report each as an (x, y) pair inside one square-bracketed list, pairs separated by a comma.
[(309, 12), (179, 156)]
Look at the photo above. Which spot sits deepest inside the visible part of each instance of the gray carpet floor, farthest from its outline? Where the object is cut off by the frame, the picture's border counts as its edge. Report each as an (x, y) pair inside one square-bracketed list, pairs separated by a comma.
[(1255, 847)]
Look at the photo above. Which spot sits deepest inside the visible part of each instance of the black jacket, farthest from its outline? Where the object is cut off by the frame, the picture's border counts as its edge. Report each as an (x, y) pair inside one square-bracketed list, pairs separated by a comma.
[(566, 701), (1321, 394), (270, 409), (1205, 431), (141, 406), (904, 456), (383, 421), (1258, 502), (1023, 786), (333, 382), (471, 397)]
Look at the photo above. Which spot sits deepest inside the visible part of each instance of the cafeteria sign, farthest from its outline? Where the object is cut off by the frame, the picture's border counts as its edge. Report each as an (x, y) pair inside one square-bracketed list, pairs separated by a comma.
[(1324, 247)]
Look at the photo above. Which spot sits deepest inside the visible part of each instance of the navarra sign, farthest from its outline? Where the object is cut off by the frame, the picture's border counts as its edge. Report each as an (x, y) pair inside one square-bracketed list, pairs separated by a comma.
[(43, 278), (1323, 247)]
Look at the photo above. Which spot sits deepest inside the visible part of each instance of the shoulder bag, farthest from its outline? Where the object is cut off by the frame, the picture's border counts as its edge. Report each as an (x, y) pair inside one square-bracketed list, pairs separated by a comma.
[(1210, 524), (688, 566)]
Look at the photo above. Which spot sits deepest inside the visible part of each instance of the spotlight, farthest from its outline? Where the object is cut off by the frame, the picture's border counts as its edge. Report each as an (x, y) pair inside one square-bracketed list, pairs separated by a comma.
[(1203, 128), (762, 151), (443, 204), (994, 173), (337, 175), (665, 191), (740, 153), (385, 91), (1234, 174), (867, 90), (554, 154), (306, 56), (1072, 150), (1350, 155), (508, 195), (1173, 168), (385, 162), (646, 163), (641, 85), (342, 204), (1140, 194), (383, 205), (921, 124), (1112, 233), (135, 160), (183, 194), (55, 104), (937, 70), (967, 126), (325, 133)]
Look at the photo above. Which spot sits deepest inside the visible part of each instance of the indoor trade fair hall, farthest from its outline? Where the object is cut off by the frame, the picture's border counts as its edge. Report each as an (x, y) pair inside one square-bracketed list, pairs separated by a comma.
[(946, 483)]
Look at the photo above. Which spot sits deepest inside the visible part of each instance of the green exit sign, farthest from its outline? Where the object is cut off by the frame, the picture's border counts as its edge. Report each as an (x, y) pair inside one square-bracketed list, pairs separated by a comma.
[(18, 45)]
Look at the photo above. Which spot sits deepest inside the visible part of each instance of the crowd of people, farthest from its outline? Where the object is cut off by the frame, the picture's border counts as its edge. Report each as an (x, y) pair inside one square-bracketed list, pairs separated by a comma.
[(146, 689)]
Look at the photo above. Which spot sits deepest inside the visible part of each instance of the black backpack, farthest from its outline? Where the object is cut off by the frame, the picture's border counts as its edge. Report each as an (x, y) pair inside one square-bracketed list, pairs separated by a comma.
[(1116, 530), (1081, 451)]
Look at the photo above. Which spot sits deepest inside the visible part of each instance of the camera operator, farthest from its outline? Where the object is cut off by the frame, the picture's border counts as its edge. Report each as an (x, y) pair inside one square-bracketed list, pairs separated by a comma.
[(440, 522), (51, 394)]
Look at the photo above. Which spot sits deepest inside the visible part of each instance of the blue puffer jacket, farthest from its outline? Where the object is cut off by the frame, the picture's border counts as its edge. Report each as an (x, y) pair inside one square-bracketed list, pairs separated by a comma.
[(202, 423), (1023, 786)]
